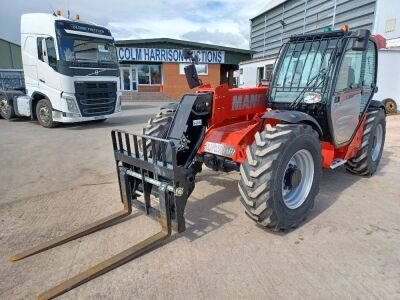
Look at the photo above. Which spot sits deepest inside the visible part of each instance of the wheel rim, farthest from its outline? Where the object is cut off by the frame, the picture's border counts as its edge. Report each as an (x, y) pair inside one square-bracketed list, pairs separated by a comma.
[(44, 114), (378, 140), (294, 189), (3, 105)]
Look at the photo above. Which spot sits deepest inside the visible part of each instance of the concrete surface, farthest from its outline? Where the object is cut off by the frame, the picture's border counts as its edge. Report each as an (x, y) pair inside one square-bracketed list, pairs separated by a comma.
[(53, 181)]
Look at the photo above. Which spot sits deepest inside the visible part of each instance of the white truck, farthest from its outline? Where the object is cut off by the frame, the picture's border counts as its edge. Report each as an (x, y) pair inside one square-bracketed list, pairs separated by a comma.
[(70, 71)]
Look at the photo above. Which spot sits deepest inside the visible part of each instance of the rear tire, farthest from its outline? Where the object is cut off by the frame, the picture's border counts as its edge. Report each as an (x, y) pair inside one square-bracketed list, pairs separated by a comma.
[(6, 109), (44, 114), (390, 106), (270, 192), (368, 157)]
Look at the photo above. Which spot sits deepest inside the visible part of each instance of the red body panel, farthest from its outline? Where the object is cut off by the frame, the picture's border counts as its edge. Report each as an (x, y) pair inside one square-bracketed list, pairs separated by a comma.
[(237, 102), (236, 117), (329, 153)]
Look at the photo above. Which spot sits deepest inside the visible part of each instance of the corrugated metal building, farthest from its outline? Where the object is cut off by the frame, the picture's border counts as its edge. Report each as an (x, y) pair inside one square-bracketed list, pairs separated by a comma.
[(10, 55), (11, 75), (280, 19)]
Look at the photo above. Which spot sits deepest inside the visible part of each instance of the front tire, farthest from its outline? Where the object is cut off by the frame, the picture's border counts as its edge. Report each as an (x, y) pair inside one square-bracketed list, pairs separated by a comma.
[(44, 114), (280, 176), (158, 126), (369, 155)]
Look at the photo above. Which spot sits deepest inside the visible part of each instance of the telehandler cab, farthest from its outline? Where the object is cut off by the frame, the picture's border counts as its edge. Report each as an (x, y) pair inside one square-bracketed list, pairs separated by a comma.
[(317, 112)]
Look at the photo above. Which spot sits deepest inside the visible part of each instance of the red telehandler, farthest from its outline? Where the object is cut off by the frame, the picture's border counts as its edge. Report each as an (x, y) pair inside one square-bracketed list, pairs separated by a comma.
[(317, 112)]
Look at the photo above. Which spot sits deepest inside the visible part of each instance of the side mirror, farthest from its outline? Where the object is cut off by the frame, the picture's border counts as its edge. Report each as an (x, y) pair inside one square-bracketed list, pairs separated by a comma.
[(375, 89), (191, 76), (45, 58), (360, 42)]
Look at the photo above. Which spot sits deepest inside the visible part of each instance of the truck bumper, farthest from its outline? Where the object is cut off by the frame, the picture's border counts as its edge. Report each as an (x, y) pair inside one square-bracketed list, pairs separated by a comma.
[(59, 117)]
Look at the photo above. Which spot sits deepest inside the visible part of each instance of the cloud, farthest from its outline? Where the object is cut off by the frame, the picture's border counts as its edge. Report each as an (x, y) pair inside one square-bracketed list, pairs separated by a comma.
[(217, 37), (224, 22)]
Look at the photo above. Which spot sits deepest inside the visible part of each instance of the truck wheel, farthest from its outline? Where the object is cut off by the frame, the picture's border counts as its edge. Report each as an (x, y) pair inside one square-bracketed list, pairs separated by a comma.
[(280, 176), (44, 114), (390, 106), (6, 110), (367, 159)]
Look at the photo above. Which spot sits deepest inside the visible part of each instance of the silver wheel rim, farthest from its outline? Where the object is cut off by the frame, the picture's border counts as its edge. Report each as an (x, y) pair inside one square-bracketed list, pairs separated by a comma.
[(3, 105), (44, 114), (294, 197), (377, 145)]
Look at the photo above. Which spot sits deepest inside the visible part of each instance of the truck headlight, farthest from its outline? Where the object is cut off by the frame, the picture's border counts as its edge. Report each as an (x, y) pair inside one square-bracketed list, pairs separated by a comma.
[(71, 104)]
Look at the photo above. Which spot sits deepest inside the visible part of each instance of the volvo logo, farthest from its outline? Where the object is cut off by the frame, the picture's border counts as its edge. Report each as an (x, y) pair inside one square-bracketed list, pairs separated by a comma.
[(96, 72)]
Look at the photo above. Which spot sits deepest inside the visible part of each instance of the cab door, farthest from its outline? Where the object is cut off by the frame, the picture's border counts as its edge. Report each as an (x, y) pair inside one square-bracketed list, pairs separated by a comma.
[(49, 79), (350, 96)]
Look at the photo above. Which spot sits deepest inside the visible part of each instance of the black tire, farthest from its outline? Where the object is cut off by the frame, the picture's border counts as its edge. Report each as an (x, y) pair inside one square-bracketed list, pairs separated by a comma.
[(390, 106), (6, 109), (44, 114), (158, 126), (364, 163), (263, 171)]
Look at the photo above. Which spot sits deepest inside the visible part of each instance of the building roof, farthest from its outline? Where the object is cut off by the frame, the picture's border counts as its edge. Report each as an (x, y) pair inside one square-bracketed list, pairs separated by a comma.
[(182, 43), (271, 4)]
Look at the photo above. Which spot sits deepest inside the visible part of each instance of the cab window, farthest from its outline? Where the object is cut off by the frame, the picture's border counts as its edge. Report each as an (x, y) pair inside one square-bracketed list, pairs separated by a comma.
[(51, 52), (349, 75)]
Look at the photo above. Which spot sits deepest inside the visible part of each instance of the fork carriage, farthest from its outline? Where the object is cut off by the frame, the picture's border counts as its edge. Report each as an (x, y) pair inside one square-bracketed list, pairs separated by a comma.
[(151, 181)]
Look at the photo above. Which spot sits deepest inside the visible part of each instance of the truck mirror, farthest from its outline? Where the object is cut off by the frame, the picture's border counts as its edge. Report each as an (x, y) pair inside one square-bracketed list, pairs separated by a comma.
[(360, 42), (45, 58), (375, 89), (191, 76)]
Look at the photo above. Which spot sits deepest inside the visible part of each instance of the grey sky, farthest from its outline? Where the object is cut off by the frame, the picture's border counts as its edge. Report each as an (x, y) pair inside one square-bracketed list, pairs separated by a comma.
[(221, 22)]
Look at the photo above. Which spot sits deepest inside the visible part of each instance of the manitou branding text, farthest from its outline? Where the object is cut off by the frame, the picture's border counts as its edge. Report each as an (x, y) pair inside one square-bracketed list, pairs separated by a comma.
[(248, 101)]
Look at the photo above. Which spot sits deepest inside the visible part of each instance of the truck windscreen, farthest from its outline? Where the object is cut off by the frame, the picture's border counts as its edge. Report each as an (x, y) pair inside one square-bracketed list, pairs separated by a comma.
[(87, 50)]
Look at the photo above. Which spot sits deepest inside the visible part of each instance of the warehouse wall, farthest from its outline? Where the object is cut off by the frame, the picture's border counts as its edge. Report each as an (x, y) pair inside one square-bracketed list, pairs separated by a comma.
[(302, 16), (10, 55)]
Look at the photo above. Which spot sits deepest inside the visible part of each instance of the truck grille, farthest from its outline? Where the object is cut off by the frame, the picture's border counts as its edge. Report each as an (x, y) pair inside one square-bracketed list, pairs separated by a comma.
[(96, 98)]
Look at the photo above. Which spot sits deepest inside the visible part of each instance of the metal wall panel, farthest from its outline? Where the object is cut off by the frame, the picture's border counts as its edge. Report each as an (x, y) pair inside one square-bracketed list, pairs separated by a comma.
[(10, 55), (301, 16)]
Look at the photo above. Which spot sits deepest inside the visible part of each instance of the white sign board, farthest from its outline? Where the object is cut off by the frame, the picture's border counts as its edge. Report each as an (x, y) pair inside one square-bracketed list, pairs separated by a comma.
[(168, 55)]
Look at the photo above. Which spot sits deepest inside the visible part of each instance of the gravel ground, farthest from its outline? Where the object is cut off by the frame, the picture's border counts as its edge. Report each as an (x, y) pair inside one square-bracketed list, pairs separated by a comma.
[(53, 181)]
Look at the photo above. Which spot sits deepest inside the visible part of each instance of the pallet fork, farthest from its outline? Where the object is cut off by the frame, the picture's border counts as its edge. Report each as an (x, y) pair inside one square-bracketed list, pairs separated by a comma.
[(149, 168)]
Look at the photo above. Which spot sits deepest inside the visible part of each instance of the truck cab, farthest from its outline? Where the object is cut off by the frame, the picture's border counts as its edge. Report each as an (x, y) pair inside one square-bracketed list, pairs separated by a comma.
[(70, 68)]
